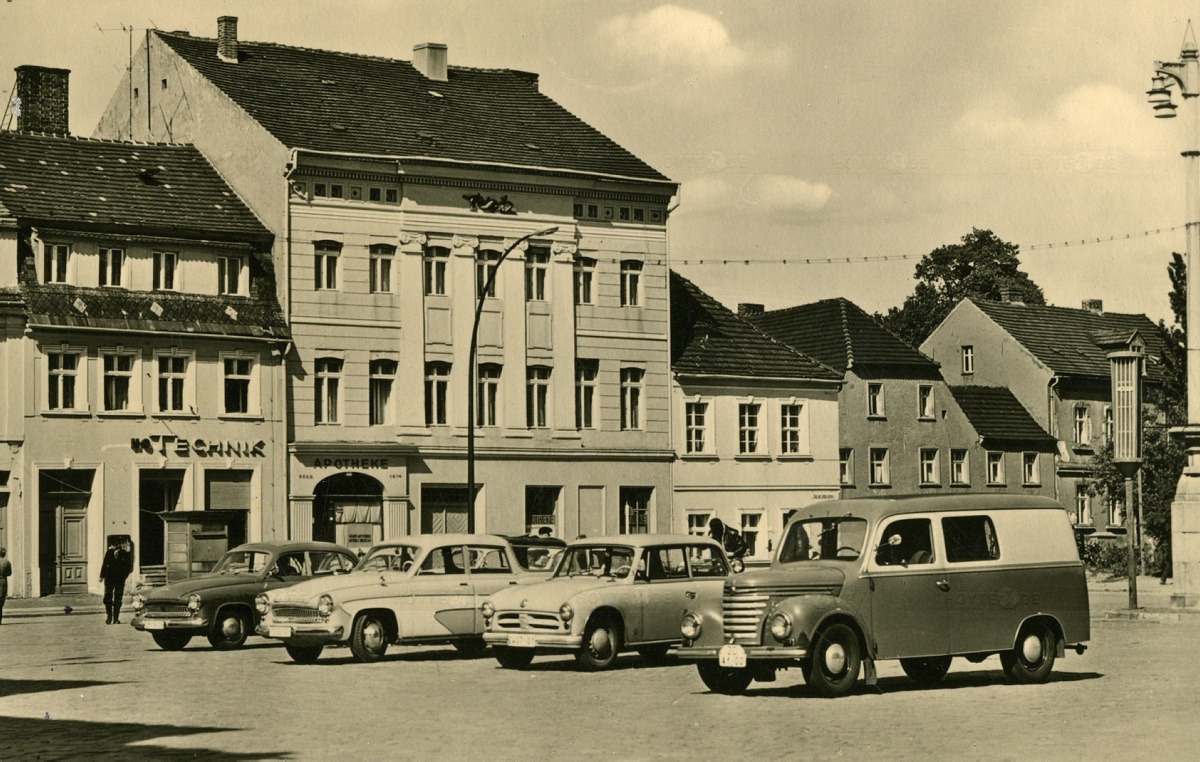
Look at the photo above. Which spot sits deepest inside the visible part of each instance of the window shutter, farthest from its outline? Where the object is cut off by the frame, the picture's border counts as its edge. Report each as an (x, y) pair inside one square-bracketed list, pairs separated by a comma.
[(228, 490)]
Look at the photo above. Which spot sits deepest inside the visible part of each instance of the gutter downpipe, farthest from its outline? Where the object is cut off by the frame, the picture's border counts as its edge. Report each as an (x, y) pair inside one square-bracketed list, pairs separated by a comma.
[(1052, 419)]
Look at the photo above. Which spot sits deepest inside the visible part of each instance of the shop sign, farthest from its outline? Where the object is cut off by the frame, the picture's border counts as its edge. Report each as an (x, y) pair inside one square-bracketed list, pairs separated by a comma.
[(344, 463), (169, 444)]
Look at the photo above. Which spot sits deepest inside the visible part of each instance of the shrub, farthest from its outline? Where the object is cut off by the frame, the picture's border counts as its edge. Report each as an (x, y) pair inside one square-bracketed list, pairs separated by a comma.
[(1110, 557)]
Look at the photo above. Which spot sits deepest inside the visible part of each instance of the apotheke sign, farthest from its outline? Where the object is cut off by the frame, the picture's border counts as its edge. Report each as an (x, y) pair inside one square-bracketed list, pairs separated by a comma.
[(169, 444)]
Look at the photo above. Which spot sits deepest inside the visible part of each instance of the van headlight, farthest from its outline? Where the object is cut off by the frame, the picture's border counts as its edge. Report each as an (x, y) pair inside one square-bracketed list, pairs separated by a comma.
[(690, 626), (262, 603), (325, 605), (781, 626), (194, 602), (138, 602)]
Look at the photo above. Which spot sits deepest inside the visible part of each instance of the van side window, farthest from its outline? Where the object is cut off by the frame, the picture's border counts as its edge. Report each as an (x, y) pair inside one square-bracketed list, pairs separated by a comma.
[(970, 538), (914, 546)]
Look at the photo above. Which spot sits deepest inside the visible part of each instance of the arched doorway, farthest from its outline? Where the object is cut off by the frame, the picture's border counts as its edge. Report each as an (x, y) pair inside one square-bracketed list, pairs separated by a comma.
[(348, 509)]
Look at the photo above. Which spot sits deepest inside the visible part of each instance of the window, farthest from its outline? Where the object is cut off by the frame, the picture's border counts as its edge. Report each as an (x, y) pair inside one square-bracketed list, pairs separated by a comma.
[(631, 279), (118, 378), (1115, 512), (695, 426), (164, 271), (172, 383), (229, 275), (391, 195), (487, 394), (327, 389), (383, 376), (536, 263), (1083, 506), (585, 393), (486, 263), (320, 189), (970, 538), (55, 257), (1029, 468), (968, 360), (748, 428), (846, 466), (1108, 423), (929, 466), (237, 385), (631, 398), (697, 524), (537, 391), (435, 270), (875, 400), (879, 466), (789, 429), (1083, 425), (635, 509), (925, 401), (960, 471), (437, 383), (375, 193), (750, 522), (380, 276), (112, 267), (906, 542), (356, 193), (325, 265), (336, 191), (63, 369), (995, 468), (585, 271)]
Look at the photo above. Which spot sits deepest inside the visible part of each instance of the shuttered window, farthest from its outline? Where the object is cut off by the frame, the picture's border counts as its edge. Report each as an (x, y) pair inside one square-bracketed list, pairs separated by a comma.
[(228, 490)]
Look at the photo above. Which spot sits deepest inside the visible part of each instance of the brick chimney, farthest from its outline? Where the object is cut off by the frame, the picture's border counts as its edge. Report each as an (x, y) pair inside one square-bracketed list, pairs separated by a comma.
[(429, 58), (749, 308), (227, 44), (1094, 305), (43, 99), (1010, 295)]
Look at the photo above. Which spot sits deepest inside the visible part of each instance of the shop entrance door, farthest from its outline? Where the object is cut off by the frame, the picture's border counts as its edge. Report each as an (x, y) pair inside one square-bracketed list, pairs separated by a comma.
[(63, 497), (72, 545)]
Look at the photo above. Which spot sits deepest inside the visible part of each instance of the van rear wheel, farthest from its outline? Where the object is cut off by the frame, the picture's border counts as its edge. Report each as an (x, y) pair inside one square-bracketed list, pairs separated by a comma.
[(928, 670), (1033, 658), (836, 661)]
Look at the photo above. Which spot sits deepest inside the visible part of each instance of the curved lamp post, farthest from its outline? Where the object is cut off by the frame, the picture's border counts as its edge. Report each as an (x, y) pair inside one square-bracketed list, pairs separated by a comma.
[(480, 297)]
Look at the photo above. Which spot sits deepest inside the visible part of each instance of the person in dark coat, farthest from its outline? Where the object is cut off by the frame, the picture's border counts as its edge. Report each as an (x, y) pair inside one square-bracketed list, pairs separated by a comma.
[(5, 573), (117, 566)]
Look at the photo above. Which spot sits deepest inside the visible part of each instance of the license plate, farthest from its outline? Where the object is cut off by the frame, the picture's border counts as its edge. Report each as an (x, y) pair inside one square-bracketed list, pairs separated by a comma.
[(154, 624), (279, 632), (522, 641), (731, 656)]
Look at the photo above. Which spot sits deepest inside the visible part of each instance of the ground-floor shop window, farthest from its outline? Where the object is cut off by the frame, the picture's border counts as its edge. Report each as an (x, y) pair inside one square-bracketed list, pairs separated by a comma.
[(342, 500), (445, 510), (635, 509), (541, 504)]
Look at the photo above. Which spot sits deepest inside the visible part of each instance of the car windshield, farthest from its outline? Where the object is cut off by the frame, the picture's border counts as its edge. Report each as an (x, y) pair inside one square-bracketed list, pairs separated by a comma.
[(596, 561), (833, 538), (389, 557), (242, 562)]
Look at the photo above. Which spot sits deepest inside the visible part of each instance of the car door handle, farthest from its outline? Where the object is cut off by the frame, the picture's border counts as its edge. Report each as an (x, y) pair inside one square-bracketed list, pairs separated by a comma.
[(689, 594), (464, 584), (943, 585)]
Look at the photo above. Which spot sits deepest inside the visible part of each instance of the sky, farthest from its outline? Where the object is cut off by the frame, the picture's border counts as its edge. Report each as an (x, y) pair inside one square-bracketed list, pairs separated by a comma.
[(869, 131)]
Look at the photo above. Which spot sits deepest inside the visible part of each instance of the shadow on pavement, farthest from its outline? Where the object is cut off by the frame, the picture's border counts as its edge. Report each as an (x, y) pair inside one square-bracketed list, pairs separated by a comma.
[(950, 682), (19, 687), (36, 738)]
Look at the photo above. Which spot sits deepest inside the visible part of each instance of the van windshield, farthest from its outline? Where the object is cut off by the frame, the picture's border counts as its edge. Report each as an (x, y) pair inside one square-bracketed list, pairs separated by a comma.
[(826, 539)]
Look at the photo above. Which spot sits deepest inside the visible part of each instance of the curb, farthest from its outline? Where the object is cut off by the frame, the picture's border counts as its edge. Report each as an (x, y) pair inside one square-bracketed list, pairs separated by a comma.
[(58, 611), (1152, 615)]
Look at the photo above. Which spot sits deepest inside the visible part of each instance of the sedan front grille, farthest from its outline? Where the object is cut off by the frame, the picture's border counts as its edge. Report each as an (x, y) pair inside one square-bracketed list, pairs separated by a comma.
[(296, 614), (168, 611), (528, 621)]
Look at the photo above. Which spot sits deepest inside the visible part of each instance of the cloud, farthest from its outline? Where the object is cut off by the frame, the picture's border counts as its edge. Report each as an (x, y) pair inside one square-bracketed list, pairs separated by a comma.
[(763, 194), (672, 36)]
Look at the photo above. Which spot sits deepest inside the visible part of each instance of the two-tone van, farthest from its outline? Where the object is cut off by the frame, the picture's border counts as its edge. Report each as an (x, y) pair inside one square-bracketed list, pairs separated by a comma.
[(919, 579)]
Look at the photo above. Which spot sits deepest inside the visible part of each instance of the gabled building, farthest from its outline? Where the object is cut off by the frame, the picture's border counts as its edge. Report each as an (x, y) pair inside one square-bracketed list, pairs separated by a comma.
[(900, 427), (755, 423), (1055, 361), (395, 188), (141, 355)]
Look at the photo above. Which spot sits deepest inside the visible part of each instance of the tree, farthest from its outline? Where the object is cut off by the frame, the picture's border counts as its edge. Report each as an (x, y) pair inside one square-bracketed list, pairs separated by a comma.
[(982, 266)]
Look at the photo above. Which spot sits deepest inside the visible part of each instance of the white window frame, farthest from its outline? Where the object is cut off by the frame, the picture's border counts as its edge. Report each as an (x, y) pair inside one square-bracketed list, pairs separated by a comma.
[(960, 468), (1108, 423), (879, 471), (631, 283), (57, 262), (112, 267), (696, 440), (628, 509), (586, 373), (751, 523), (53, 377), (875, 400), (846, 466), (328, 371), (750, 441), (1030, 471), (435, 262), (1083, 506), (537, 268), (487, 261), (251, 380), (537, 397), (382, 259), (793, 434), (1082, 425), (487, 394), (585, 280), (697, 523), (186, 379), (382, 371), (164, 271), (968, 359), (632, 380), (437, 393), (131, 377), (327, 257), (925, 408), (929, 471), (232, 275), (995, 467)]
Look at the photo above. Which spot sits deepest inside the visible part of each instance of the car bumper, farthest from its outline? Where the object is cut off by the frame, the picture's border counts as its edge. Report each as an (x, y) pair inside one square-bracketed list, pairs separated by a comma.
[(753, 653), (545, 641), (162, 624), (303, 633)]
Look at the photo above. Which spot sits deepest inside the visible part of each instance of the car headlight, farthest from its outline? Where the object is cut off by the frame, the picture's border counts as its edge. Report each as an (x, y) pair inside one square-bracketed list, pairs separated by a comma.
[(690, 626), (138, 602), (325, 605), (781, 626), (262, 603), (566, 612), (487, 609), (194, 602)]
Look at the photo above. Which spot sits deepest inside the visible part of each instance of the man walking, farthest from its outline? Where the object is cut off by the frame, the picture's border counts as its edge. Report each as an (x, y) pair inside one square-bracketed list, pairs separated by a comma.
[(114, 571), (5, 573)]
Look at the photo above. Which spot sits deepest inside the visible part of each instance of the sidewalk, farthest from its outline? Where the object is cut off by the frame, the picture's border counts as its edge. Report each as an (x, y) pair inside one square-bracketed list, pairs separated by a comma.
[(77, 604)]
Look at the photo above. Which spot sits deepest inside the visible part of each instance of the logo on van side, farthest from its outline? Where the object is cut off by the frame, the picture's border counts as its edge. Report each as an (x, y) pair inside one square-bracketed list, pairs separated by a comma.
[(1005, 599)]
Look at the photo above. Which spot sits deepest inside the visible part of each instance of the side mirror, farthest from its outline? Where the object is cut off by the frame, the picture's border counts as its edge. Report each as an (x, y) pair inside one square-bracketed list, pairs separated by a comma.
[(895, 540), (737, 565)]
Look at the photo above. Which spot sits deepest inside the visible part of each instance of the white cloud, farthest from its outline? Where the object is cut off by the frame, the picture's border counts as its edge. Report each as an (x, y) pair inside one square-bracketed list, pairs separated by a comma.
[(764, 194), (674, 36)]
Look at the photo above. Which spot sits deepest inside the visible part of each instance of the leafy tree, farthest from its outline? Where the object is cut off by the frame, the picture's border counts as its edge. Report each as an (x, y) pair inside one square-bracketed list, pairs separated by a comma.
[(982, 266)]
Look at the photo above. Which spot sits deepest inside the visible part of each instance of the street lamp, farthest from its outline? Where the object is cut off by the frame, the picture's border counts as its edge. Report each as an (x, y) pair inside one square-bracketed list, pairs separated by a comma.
[(1126, 366), (471, 370)]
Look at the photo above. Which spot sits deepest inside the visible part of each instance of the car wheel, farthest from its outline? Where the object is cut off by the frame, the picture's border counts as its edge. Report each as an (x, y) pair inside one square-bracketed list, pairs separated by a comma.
[(835, 661), (229, 630), (654, 653), (926, 671), (601, 644), (513, 658), (368, 641), (1033, 658), (171, 641), (729, 681), (471, 647), (304, 654)]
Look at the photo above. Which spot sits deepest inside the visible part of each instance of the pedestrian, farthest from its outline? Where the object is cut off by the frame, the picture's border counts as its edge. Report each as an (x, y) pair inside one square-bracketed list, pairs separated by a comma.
[(5, 573), (114, 571), (731, 539)]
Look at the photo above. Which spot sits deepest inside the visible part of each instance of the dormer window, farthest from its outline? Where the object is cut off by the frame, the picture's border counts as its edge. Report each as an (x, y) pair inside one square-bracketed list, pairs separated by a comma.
[(230, 276)]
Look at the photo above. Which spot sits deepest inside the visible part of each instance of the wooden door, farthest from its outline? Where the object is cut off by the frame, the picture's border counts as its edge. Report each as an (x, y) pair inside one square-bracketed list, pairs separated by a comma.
[(72, 545)]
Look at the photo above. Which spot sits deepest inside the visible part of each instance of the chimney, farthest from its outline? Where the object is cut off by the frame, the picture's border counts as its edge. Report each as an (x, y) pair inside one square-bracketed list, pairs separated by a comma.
[(1010, 295), (42, 94), (429, 58), (227, 39), (1094, 305), (748, 308)]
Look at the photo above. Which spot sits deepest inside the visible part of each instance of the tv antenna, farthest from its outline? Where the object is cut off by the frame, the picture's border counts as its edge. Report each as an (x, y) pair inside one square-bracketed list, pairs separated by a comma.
[(129, 29)]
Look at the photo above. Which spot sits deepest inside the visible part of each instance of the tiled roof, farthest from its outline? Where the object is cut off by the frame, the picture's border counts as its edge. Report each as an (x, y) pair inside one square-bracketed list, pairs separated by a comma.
[(156, 188), (997, 416), (707, 338), (1065, 339), (842, 335), (330, 101)]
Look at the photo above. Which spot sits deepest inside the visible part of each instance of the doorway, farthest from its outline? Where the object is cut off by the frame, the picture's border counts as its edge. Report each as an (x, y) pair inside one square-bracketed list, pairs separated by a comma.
[(348, 507), (62, 530), (158, 493), (446, 510)]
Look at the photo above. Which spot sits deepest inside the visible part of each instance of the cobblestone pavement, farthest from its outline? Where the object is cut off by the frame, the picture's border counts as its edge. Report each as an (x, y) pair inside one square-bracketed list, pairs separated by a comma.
[(71, 686)]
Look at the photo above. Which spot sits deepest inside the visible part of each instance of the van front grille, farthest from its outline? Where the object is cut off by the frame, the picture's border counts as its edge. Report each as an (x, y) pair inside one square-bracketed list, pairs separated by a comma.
[(742, 614)]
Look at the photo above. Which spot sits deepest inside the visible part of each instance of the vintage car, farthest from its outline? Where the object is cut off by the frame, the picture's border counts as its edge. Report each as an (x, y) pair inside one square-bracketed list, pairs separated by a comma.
[(423, 589), (220, 604), (919, 579), (607, 595)]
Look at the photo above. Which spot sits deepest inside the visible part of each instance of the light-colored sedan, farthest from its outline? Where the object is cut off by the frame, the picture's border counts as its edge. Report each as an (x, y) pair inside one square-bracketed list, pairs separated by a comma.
[(424, 589), (607, 595)]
